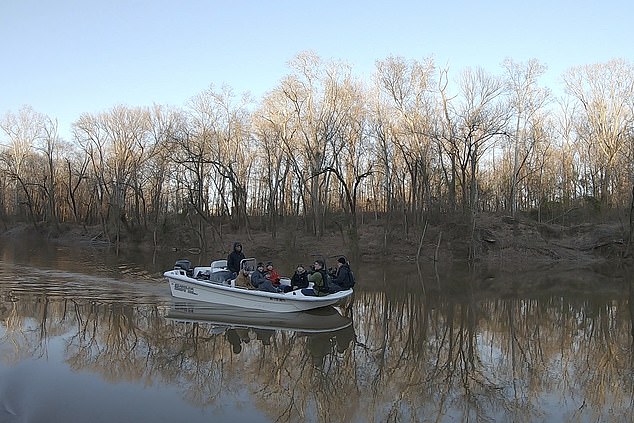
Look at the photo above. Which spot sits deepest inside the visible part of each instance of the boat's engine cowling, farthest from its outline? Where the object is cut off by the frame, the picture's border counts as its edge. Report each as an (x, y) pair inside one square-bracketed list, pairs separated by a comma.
[(185, 265)]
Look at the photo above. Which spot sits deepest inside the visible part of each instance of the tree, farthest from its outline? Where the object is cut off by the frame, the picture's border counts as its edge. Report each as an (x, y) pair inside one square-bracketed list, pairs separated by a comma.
[(24, 130), (604, 91), (408, 88), (480, 116), (116, 142), (527, 99), (313, 98)]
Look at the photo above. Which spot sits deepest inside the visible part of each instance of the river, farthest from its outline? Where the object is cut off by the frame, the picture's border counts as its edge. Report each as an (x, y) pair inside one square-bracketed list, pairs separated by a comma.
[(87, 335)]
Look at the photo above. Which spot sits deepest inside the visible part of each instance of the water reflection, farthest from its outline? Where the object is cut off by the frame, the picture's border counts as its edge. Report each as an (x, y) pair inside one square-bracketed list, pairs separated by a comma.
[(393, 355), (321, 320)]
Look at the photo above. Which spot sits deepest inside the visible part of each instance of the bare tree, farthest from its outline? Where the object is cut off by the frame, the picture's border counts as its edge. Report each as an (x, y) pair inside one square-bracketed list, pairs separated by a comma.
[(527, 99), (116, 142), (352, 163), (24, 130), (408, 87), (215, 149), (604, 92), (313, 94), (480, 116)]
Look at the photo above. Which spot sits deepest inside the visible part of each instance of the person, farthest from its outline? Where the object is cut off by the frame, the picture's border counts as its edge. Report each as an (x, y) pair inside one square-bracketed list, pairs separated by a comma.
[(300, 278), (234, 258), (319, 278), (243, 280), (343, 278), (260, 281), (274, 276)]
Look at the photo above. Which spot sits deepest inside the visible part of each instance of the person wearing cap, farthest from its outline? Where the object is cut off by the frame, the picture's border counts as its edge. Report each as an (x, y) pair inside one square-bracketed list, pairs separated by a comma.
[(234, 258), (343, 278), (260, 281)]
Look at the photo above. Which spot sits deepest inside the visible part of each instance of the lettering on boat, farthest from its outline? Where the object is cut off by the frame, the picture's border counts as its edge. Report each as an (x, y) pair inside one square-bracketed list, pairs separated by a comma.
[(281, 300), (184, 288)]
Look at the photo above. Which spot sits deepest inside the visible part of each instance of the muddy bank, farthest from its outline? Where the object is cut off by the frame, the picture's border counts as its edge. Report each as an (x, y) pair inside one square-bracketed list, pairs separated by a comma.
[(502, 242)]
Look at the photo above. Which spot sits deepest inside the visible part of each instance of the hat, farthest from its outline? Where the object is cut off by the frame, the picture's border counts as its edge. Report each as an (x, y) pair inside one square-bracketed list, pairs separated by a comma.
[(260, 264), (342, 260), (269, 263)]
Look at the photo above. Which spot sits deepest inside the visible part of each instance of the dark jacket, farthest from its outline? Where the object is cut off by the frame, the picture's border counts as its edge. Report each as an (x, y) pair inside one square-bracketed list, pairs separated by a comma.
[(261, 282), (234, 258), (344, 277), (299, 280)]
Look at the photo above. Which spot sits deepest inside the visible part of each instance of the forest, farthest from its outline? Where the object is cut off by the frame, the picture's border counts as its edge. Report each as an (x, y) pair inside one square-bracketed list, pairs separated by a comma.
[(414, 144)]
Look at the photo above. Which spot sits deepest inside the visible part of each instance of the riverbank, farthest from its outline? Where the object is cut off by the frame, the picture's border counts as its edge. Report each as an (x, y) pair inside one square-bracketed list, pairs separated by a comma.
[(499, 241)]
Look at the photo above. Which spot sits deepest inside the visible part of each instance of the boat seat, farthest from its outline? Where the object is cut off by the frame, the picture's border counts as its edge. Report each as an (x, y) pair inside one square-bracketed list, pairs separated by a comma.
[(218, 265), (220, 276)]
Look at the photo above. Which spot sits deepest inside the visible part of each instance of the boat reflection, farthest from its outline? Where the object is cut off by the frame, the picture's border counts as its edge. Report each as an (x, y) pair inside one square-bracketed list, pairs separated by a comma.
[(325, 319)]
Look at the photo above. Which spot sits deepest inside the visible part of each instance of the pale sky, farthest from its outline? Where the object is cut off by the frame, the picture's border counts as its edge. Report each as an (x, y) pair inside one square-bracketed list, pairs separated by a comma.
[(68, 57)]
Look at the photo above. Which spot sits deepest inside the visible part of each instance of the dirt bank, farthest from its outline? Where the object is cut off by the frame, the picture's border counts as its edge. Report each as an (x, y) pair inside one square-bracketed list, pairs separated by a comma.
[(501, 241)]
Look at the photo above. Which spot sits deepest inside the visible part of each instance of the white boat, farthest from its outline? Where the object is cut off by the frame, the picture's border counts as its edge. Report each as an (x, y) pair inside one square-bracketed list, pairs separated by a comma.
[(325, 319), (213, 284)]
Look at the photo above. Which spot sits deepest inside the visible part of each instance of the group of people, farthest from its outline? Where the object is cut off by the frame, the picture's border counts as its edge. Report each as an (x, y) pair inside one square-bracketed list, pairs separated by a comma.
[(266, 278)]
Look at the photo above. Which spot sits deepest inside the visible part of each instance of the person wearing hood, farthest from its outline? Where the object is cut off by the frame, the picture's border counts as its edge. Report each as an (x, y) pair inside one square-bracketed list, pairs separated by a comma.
[(234, 259), (343, 277)]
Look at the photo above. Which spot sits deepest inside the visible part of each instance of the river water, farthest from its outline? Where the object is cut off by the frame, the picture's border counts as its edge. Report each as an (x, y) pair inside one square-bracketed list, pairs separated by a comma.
[(87, 335)]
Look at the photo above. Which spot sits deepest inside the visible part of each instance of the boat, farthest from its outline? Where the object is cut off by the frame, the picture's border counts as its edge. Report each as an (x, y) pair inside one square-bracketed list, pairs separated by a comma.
[(214, 284), (321, 320)]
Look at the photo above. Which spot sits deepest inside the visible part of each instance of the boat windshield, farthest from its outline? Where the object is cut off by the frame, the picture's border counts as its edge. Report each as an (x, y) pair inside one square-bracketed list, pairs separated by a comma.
[(248, 264)]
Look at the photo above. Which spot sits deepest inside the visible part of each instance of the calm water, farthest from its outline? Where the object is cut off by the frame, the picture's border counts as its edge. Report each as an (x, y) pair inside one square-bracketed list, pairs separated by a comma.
[(88, 336)]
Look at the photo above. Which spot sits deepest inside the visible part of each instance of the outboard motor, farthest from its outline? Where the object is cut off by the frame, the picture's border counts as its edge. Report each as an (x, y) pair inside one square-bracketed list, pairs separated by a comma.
[(185, 265)]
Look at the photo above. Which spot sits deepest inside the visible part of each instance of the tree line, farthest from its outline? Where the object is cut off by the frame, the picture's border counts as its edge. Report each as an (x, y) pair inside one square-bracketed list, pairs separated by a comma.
[(411, 144)]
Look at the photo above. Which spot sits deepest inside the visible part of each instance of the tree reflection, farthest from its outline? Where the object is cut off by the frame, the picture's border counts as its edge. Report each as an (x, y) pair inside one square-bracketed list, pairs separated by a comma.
[(407, 356)]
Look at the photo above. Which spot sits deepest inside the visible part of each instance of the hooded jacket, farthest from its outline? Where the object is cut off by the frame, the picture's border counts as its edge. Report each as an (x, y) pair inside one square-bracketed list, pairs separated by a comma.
[(234, 258), (343, 277)]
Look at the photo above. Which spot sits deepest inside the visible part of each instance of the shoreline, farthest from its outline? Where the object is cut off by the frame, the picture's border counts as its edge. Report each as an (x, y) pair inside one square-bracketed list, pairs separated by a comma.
[(498, 241)]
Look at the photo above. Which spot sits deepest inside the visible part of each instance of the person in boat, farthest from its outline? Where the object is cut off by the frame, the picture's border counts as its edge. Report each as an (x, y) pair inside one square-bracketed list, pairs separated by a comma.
[(234, 258), (275, 277), (343, 278), (261, 282), (243, 280), (319, 278), (273, 274), (299, 279)]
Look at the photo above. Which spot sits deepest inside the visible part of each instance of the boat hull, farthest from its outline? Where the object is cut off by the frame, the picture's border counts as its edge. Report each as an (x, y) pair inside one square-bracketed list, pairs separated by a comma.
[(188, 288)]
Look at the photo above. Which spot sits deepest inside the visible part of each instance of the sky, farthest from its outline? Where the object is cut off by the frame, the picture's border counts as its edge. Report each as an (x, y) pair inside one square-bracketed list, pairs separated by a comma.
[(64, 58)]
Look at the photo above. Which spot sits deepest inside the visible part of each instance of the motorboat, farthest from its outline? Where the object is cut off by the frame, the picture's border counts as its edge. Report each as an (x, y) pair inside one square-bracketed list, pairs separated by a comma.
[(216, 284)]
